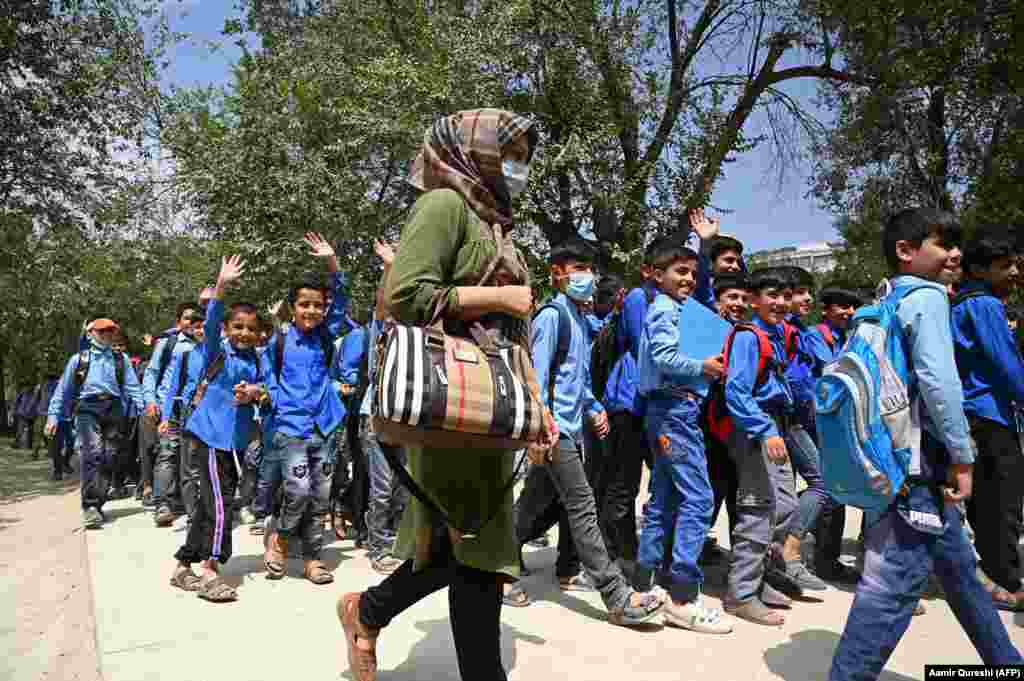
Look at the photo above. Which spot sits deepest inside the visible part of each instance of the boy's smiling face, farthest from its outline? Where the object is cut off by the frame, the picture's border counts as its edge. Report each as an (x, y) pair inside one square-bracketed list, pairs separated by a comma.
[(310, 307), (242, 330), (727, 261), (934, 259), (1002, 275), (733, 304), (679, 279), (838, 315), (771, 304), (802, 300)]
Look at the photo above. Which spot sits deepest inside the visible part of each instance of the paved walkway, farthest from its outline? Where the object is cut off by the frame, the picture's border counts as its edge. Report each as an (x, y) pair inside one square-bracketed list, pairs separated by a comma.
[(278, 630)]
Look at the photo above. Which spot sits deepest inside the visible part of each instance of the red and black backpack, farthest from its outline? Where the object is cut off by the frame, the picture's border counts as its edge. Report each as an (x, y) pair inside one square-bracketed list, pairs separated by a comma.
[(719, 419)]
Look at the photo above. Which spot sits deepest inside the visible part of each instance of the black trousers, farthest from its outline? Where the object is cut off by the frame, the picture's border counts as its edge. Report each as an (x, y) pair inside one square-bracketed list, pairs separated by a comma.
[(209, 534), (626, 450), (538, 509), (356, 496), (725, 481), (994, 509), (474, 607)]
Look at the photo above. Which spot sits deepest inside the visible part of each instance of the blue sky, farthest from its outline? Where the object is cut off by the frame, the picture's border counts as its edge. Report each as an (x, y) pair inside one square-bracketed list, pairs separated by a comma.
[(760, 213)]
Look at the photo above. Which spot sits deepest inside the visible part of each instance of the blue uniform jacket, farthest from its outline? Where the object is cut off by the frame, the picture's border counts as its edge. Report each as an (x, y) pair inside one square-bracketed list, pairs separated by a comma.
[(151, 392), (573, 394), (989, 364), (304, 398), (218, 420), (101, 380), (621, 392), (748, 407), (662, 366)]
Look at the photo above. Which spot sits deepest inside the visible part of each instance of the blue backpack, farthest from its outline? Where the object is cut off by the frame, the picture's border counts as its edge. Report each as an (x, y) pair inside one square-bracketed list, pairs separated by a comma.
[(868, 429)]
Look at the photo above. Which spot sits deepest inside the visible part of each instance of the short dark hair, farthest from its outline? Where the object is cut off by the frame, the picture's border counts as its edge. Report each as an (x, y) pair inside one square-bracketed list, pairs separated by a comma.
[(571, 250), (986, 248), (1014, 313), (837, 295), (670, 251), (768, 277), (652, 249), (914, 225), (243, 308), (608, 288), (799, 277), (723, 243), (731, 280), (184, 307), (313, 282)]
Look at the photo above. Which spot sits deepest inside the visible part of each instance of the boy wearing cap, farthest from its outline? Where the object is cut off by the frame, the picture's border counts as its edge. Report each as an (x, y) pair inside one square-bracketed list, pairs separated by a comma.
[(98, 389)]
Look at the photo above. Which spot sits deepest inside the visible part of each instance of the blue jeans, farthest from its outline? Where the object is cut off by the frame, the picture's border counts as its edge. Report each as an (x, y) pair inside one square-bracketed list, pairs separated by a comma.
[(678, 513), (388, 496), (815, 499), (97, 443), (898, 562), (306, 466)]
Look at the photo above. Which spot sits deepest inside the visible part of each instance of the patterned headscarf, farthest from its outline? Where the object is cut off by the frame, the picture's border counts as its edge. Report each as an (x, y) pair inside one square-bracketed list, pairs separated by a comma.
[(463, 152)]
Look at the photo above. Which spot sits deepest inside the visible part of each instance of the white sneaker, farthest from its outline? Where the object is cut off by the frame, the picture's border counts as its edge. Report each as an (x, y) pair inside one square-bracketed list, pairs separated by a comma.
[(181, 523), (695, 616), (247, 516)]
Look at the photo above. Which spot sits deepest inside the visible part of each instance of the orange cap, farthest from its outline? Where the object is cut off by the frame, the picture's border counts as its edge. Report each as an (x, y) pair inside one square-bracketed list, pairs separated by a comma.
[(103, 324)]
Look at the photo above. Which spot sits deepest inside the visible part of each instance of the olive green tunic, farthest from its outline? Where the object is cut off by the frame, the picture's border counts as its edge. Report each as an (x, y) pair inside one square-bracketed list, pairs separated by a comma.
[(444, 245)]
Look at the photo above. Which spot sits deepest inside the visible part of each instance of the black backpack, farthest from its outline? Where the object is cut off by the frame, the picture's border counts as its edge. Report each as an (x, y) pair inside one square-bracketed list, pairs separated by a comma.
[(604, 354), (82, 371), (165, 358)]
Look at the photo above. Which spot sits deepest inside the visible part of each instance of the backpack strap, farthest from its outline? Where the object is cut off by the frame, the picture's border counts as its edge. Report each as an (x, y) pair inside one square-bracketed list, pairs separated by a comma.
[(183, 372), (765, 351), (791, 336), (119, 370), (166, 357), (561, 348), (282, 336), (826, 332), (81, 371), (212, 369), (967, 295)]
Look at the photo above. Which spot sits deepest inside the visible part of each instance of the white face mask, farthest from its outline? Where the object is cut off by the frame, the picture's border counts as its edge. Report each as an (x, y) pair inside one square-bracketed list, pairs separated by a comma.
[(516, 175)]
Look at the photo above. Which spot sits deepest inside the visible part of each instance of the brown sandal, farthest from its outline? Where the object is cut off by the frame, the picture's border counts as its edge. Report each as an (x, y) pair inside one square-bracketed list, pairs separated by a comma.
[(316, 572), (362, 662), (275, 558), (217, 591), (186, 580)]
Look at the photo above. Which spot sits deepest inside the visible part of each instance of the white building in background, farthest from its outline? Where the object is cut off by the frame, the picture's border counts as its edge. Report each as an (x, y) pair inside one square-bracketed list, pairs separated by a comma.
[(816, 257)]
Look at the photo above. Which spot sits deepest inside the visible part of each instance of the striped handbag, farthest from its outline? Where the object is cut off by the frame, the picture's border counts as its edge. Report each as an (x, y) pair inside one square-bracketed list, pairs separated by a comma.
[(437, 390)]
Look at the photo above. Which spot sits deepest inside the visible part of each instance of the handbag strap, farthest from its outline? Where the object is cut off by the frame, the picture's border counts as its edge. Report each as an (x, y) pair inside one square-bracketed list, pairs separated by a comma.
[(391, 454)]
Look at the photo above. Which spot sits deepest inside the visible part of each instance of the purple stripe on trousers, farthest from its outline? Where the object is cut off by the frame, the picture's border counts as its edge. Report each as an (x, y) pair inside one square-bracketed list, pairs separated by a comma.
[(218, 505)]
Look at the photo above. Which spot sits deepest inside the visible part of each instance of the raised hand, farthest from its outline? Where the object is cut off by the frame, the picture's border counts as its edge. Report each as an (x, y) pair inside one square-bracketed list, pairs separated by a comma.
[(706, 228), (384, 251), (320, 248), (231, 270)]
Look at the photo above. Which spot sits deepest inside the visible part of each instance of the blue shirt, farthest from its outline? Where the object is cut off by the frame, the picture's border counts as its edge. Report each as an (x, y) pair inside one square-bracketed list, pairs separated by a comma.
[(151, 392), (595, 324), (350, 356), (101, 380), (374, 329), (48, 389), (621, 392), (822, 352), (304, 398), (927, 326), (990, 366), (661, 364), (218, 420), (572, 391), (800, 370), (750, 404)]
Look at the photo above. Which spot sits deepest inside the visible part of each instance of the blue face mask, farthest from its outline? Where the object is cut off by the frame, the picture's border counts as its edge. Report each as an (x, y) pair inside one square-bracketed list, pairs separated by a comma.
[(581, 286)]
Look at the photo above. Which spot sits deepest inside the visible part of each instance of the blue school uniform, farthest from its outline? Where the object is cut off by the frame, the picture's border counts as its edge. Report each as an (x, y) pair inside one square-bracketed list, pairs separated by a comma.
[(755, 408)]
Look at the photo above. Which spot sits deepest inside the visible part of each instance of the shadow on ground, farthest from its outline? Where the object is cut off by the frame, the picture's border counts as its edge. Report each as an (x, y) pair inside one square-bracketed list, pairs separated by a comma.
[(807, 656), (26, 478), (433, 656)]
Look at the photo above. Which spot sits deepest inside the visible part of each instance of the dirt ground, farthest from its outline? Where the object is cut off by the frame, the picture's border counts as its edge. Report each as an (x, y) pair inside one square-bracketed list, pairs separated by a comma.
[(45, 589)]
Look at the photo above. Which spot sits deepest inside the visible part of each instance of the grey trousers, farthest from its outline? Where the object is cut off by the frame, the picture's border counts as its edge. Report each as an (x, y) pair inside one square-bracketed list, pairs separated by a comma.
[(766, 505)]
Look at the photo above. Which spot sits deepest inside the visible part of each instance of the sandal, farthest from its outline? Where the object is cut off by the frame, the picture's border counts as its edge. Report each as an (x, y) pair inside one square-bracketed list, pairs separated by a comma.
[(217, 591), (757, 612), (362, 662), (1001, 598), (275, 558), (516, 597), (317, 573), (186, 580), (631, 615), (578, 582)]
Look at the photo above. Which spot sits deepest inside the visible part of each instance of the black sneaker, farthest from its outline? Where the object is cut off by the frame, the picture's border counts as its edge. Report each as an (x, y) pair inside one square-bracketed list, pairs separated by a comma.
[(57, 476), (838, 572)]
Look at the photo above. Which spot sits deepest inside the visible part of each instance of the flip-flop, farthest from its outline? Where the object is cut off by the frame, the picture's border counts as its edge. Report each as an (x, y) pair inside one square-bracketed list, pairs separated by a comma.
[(578, 582), (516, 597)]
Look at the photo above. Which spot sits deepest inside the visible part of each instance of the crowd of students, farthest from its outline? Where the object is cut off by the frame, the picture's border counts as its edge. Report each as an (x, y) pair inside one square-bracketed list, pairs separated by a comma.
[(271, 423)]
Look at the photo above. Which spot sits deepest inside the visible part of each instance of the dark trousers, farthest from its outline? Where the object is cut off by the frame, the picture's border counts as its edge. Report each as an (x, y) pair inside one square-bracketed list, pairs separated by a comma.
[(356, 497), (626, 449), (25, 432), (994, 510), (828, 537), (474, 607), (97, 439), (149, 440), (209, 534), (62, 446), (538, 509), (724, 479)]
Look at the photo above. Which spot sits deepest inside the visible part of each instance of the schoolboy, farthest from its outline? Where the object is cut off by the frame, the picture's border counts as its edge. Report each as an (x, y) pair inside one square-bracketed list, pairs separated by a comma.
[(992, 374), (219, 426), (168, 483), (922, 530), (838, 307), (678, 513), (732, 297), (97, 390), (556, 488), (307, 411), (723, 254), (761, 409)]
